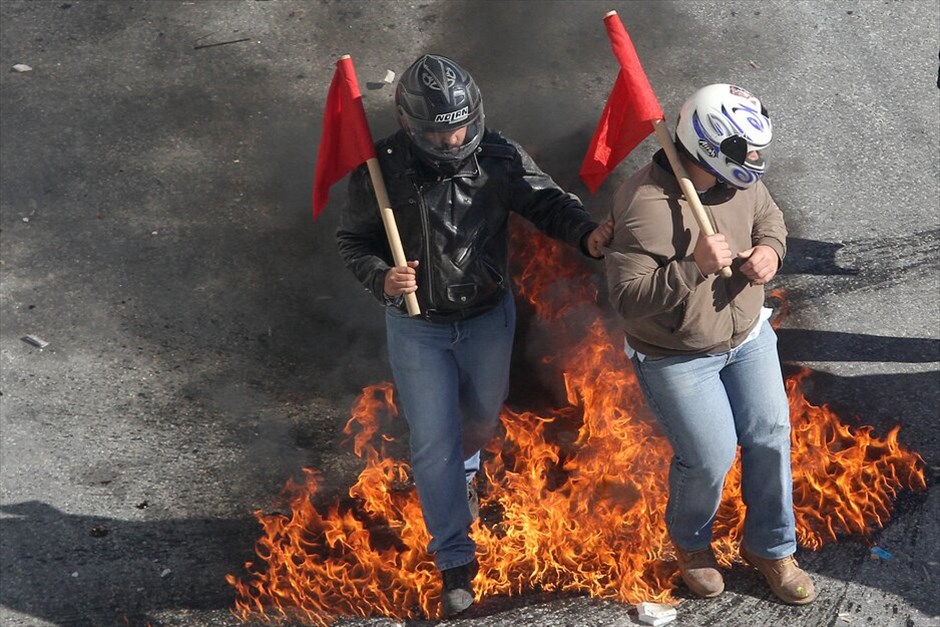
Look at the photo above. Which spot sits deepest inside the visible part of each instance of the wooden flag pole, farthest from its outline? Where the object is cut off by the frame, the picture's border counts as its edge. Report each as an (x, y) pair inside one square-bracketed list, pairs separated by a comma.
[(665, 140), (388, 219), (391, 228), (685, 184)]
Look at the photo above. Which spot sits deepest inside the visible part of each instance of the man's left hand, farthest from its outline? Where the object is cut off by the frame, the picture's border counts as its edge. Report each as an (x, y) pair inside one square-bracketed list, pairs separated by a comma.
[(600, 238), (761, 265)]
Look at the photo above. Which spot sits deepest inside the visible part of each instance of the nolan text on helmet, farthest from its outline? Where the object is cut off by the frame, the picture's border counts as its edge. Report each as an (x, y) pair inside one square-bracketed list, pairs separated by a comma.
[(454, 116)]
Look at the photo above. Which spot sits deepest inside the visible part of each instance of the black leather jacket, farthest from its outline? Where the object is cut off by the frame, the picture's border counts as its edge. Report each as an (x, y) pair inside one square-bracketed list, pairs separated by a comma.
[(455, 225)]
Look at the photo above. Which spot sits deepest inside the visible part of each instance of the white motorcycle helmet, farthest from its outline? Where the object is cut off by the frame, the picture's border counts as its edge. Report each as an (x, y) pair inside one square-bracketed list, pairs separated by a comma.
[(719, 126)]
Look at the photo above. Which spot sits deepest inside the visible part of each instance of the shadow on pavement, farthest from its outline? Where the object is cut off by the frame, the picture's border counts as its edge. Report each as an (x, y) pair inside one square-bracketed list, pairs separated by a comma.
[(90, 570)]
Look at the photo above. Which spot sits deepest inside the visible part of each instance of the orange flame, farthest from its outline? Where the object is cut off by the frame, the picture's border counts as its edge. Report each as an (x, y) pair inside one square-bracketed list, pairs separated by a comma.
[(576, 496)]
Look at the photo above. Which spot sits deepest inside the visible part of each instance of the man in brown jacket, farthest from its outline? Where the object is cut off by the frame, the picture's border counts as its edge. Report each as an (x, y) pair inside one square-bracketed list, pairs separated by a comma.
[(701, 344)]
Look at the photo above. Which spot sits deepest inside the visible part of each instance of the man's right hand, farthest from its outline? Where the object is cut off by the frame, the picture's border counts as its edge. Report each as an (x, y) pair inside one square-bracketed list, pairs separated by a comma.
[(401, 280), (711, 253)]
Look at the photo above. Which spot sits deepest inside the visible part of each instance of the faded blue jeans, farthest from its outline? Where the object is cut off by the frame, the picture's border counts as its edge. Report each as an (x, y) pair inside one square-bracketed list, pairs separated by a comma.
[(708, 405), (452, 379)]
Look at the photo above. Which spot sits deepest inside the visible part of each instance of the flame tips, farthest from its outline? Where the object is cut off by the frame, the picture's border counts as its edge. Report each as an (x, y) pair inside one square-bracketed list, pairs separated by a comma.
[(575, 497)]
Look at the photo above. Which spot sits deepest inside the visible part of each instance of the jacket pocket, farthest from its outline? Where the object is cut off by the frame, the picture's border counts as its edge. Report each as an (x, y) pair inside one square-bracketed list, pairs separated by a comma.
[(462, 294), (668, 323), (493, 273), (702, 324), (463, 254), (678, 317)]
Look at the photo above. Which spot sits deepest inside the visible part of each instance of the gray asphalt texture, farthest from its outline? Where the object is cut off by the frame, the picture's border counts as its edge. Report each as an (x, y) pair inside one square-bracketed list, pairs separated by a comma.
[(205, 341)]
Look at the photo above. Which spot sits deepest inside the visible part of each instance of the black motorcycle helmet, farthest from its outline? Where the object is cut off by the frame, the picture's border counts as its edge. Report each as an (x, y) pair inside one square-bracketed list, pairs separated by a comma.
[(436, 98)]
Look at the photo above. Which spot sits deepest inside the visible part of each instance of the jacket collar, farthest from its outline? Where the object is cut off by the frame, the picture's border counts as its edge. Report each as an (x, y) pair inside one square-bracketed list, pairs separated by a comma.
[(662, 173), (420, 169), (469, 168)]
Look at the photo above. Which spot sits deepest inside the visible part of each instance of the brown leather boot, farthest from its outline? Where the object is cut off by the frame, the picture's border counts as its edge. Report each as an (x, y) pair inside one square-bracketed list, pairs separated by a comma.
[(786, 579), (700, 572)]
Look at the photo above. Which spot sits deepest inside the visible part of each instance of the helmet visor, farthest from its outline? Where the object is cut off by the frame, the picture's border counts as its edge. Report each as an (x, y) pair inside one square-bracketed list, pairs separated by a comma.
[(737, 150), (447, 141)]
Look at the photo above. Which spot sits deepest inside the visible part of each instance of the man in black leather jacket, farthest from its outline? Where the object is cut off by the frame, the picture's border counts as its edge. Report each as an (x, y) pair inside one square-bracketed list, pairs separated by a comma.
[(452, 185)]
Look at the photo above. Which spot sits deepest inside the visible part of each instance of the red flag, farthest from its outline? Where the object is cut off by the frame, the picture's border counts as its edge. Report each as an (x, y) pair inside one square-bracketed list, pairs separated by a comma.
[(627, 118), (345, 141)]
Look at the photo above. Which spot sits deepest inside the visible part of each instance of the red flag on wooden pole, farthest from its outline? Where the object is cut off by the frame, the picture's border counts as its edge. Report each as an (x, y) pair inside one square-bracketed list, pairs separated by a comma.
[(346, 141), (631, 109), (632, 112)]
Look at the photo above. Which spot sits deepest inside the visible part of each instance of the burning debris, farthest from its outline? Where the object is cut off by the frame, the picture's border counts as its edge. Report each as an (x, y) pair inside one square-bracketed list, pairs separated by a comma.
[(577, 515)]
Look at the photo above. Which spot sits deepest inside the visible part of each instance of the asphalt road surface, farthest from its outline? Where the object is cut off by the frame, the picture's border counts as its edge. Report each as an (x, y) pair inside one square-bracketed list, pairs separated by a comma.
[(205, 341)]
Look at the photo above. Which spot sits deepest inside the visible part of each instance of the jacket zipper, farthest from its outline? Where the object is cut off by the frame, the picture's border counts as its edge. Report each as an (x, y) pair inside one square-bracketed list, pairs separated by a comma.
[(426, 230)]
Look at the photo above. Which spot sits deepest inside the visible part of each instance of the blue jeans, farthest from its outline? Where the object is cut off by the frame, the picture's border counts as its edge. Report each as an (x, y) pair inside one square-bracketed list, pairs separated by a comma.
[(452, 379), (707, 405)]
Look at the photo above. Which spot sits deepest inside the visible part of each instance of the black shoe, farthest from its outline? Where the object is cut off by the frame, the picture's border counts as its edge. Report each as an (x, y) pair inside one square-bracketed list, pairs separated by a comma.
[(458, 589)]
